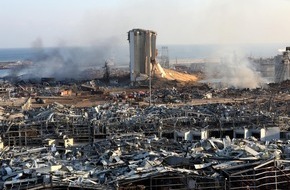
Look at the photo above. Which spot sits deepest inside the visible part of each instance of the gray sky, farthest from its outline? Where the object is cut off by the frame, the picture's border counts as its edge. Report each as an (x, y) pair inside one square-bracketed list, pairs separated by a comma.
[(26, 23)]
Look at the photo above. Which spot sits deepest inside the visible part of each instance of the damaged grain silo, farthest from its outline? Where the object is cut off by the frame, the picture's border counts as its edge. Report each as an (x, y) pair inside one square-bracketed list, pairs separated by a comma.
[(142, 53)]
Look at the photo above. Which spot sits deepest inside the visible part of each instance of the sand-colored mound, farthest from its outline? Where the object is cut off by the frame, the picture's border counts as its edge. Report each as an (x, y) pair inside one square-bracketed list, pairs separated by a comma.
[(170, 74), (182, 77)]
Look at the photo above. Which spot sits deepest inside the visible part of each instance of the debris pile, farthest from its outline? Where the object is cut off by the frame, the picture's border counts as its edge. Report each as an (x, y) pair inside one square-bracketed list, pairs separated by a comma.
[(235, 143), (116, 145), (133, 160)]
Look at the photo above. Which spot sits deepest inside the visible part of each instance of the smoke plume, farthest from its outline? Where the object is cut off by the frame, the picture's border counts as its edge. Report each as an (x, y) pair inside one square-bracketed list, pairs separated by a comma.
[(65, 62), (233, 71)]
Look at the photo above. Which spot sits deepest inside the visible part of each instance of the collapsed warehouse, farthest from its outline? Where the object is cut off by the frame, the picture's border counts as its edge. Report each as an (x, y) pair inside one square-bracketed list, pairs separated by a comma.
[(120, 145), (173, 133)]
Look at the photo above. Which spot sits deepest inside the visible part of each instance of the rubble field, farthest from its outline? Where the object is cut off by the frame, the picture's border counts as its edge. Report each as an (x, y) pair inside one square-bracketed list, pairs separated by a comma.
[(94, 135)]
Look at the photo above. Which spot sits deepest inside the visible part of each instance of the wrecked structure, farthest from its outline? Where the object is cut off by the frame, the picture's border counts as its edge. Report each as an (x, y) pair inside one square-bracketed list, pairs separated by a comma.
[(193, 137), (274, 69), (88, 135), (236, 143), (118, 146), (142, 52), (282, 69), (131, 161)]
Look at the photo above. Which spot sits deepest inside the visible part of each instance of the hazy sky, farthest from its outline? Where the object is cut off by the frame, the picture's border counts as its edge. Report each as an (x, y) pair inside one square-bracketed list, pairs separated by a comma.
[(26, 23)]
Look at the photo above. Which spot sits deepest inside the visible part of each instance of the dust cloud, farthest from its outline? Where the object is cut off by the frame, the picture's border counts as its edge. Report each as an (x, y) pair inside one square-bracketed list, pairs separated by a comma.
[(66, 62), (235, 72)]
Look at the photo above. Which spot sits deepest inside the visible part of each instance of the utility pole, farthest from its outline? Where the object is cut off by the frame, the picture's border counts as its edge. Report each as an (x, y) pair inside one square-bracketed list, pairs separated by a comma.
[(150, 88)]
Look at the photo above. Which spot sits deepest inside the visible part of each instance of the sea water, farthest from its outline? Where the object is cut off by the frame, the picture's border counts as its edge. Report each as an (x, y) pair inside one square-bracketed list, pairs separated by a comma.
[(121, 53)]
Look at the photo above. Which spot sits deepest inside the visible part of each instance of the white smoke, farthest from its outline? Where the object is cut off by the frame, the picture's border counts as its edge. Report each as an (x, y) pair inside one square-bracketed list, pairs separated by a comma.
[(233, 71)]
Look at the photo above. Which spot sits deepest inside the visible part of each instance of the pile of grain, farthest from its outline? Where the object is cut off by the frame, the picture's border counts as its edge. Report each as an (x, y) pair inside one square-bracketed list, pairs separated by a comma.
[(175, 75)]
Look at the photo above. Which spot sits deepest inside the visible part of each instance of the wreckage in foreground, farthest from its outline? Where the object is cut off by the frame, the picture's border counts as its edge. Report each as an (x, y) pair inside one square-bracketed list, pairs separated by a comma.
[(192, 138), (120, 145)]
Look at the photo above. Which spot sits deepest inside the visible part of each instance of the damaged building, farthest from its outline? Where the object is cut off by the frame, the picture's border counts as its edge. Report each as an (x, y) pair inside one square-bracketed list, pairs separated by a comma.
[(142, 52), (121, 146), (90, 135), (275, 69)]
